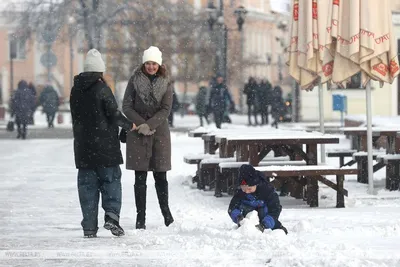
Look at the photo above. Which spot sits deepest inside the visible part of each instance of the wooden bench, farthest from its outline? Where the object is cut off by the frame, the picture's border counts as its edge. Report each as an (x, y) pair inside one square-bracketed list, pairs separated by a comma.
[(207, 172), (362, 165), (226, 173), (196, 159), (312, 174), (392, 163), (341, 154)]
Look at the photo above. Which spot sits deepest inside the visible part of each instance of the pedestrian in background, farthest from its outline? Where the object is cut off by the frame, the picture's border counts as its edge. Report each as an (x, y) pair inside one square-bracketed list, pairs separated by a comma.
[(22, 107), (49, 100)]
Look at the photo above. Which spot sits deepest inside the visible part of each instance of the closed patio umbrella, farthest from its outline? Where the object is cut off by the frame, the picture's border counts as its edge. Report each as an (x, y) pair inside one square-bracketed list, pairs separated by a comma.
[(358, 37)]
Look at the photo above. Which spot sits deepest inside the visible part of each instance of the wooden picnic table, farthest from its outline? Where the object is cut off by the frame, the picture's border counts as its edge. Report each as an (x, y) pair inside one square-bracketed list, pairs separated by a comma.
[(253, 148), (359, 135)]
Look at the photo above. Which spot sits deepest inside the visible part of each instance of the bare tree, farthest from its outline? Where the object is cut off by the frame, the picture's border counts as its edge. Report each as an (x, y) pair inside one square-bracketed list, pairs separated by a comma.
[(122, 29)]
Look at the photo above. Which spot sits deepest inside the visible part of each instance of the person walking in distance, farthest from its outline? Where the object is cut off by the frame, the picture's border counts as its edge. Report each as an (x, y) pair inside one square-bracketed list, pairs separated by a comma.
[(148, 102), (219, 97), (49, 100), (250, 90)]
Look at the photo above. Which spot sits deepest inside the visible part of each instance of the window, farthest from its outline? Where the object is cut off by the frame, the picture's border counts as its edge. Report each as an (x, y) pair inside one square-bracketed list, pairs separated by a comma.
[(17, 47), (355, 82)]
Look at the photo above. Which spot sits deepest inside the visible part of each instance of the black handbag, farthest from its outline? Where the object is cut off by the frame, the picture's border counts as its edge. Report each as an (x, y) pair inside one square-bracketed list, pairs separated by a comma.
[(10, 126), (122, 136)]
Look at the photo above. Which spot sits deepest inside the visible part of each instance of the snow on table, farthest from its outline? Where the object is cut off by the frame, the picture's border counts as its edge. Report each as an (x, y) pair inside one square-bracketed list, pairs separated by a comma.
[(273, 136)]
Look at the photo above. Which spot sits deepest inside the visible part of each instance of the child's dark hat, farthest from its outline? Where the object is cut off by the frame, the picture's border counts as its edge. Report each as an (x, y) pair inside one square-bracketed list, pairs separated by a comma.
[(248, 175)]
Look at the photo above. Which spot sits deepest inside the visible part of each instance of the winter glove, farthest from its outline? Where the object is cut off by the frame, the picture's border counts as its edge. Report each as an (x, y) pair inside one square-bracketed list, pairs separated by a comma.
[(236, 214), (145, 129), (284, 229), (268, 222), (253, 202)]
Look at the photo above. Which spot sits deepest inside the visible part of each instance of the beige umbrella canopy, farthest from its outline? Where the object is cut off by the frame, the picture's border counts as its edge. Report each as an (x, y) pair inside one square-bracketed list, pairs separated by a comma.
[(332, 40)]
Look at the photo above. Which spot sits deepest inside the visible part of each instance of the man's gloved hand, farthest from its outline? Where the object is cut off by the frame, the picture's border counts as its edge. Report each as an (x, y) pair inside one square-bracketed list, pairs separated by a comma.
[(145, 129)]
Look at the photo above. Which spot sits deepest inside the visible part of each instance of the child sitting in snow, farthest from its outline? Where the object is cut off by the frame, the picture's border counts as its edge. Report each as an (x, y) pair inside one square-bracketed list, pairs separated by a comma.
[(256, 193)]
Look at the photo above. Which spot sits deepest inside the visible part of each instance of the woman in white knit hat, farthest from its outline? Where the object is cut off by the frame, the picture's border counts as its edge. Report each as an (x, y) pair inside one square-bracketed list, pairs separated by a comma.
[(147, 102), (95, 121)]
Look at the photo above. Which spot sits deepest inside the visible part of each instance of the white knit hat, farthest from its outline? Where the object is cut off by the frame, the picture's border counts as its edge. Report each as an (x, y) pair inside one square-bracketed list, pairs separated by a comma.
[(152, 54), (94, 62)]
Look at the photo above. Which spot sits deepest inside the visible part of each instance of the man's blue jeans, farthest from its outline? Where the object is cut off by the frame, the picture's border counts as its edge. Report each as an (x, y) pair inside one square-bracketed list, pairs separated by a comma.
[(91, 182)]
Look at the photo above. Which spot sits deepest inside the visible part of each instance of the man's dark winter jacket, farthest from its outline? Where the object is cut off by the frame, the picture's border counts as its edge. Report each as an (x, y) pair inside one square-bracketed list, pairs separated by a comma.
[(95, 121), (219, 95), (265, 200)]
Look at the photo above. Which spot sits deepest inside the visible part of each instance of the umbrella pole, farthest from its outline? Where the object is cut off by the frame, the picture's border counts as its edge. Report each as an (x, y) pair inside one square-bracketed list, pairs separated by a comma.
[(321, 119), (369, 140)]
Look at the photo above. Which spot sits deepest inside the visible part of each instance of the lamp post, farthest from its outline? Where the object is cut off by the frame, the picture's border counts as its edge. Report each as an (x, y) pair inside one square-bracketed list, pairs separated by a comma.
[(216, 17), (71, 22), (240, 13)]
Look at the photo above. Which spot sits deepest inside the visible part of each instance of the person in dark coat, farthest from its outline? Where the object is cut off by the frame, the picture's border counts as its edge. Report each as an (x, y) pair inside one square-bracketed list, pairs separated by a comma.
[(201, 105), (32, 87), (22, 107), (256, 194), (49, 100), (219, 97), (277, 105), (264, 97), (148, 102), (175, 106), (95, 121), (250, 90)]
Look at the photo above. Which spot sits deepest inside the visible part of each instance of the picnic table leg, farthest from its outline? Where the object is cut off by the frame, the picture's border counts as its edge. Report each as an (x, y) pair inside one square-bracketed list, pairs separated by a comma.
[(218, 182), (392, 176), (230, 151), (312, 191), (341, 161), (339, 194), (312, 154), (312, 182), (391, 145), (242, 153), (397, 145), (362, 166), (253, 155)]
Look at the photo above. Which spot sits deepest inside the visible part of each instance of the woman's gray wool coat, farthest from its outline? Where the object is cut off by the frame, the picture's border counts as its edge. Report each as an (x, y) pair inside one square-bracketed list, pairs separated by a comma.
[(148, 102)]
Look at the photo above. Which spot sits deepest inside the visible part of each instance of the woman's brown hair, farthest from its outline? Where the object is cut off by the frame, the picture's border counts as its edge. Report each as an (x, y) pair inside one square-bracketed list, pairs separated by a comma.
[(162, 70)]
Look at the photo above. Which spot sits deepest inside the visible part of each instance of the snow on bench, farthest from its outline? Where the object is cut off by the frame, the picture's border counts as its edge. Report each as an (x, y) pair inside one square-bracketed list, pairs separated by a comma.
[(233, 165), (215, 160), (307, 170), (364, 154), (196, 158), (389, 157)]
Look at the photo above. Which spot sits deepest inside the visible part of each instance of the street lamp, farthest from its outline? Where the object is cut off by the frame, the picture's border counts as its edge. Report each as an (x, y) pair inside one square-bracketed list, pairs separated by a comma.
[(240, 14), (216, 17), (71, 22)]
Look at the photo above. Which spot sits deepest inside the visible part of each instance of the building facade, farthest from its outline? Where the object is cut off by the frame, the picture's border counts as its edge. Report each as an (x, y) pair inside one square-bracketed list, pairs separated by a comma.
[(256, 51), (28, 62)]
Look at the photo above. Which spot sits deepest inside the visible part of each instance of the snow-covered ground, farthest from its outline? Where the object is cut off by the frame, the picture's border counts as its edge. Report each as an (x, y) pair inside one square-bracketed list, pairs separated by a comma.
[(40, 217)]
